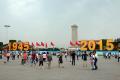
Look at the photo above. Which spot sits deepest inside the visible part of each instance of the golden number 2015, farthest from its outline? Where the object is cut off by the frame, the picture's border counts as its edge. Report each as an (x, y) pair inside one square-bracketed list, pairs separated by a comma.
[(91, 45)]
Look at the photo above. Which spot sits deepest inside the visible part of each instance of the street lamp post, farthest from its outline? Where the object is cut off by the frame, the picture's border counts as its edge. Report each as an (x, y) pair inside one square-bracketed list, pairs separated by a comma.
[(7, 26)]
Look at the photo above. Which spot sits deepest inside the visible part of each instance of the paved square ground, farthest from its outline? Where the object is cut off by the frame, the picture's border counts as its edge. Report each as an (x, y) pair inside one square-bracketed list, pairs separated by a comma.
[(108, 70)]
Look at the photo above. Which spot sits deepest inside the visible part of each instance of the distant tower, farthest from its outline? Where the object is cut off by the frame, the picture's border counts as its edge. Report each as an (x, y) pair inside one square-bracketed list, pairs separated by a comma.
[(74, 33)]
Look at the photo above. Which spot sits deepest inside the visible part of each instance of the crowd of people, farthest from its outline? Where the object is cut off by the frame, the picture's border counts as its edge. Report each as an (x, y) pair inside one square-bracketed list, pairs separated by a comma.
[(46, 57), (108, 55), (43, 57)]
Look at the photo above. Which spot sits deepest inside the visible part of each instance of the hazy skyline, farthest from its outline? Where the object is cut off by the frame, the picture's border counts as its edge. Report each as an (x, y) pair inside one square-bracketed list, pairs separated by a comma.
[(50, 20)]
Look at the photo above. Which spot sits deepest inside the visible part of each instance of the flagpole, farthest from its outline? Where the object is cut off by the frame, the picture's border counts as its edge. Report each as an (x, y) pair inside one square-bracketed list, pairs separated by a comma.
[(52, 44), (46, 45)]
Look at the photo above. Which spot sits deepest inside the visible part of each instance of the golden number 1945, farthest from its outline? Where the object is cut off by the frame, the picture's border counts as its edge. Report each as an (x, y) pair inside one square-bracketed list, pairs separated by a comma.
[(19, 46)]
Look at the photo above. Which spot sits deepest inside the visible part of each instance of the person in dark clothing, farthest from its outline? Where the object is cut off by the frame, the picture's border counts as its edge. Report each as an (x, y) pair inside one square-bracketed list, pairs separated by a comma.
[(118, 56), (13, 57), (49, 59), (118, 59), (84, 58), (33, 58), (77, 53), (95, 64), (18, 56), (73, 58), (0, 55), (8, 56), (60, 60), (109, 55), (40, 60)]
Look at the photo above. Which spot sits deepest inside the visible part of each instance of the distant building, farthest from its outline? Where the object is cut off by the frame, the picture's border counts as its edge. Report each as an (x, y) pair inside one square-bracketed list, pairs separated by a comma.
[(74, 33)]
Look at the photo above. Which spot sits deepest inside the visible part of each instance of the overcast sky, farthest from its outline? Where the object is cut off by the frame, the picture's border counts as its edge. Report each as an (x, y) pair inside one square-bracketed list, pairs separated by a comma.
[(50, 20)]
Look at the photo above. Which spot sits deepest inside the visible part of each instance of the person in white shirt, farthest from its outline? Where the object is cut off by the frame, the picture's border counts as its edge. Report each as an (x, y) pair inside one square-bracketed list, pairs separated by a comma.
[(44, 57), (92, 60), (95, 60)]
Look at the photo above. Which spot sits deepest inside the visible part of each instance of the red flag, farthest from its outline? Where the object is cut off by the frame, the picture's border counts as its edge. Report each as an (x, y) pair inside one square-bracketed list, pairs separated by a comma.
[(37, 44), (77, 43), (71, 43), (42, 44), (46, 45), (22, 43), (52, 44), (33, 44)]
